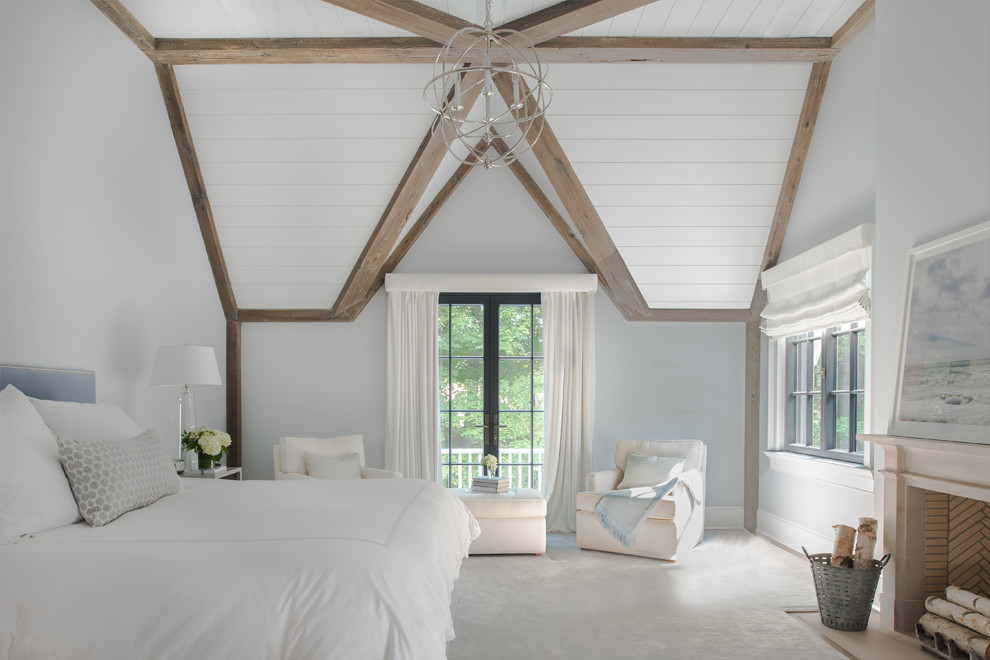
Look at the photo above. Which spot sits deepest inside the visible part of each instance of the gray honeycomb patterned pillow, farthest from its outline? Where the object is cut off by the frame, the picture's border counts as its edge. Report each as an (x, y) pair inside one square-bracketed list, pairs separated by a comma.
[(110, 478)]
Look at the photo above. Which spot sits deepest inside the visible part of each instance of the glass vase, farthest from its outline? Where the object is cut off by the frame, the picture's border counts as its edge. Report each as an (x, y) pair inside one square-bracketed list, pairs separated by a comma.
[(205, 461)]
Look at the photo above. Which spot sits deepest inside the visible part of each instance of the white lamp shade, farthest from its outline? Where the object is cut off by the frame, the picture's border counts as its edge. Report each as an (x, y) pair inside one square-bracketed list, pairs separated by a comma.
[(185, 365)]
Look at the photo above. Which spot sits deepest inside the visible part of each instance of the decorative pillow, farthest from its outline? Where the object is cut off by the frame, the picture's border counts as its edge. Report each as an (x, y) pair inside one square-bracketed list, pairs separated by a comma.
[(86, 421), (111, 477), (650, 470), (34, 495), (347, 466)]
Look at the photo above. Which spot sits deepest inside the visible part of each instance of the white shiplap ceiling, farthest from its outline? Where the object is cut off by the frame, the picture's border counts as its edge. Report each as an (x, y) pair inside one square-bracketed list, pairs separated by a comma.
[(683, 162)]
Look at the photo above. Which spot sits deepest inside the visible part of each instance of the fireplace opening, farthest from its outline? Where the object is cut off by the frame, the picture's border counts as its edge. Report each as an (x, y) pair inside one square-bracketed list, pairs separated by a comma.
[(957, 544)]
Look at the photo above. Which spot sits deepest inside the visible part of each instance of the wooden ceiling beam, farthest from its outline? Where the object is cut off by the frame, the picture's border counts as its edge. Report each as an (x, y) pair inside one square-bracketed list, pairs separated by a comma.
[(856, 24), (612, 270), (412, 50), (361, 283), (197, 187), (126, 23), (407, 15), (566, 17), (792, 176)]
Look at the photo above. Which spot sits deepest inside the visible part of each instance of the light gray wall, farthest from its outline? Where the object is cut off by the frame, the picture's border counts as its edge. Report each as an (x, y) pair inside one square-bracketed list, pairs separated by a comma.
[(101, 260)]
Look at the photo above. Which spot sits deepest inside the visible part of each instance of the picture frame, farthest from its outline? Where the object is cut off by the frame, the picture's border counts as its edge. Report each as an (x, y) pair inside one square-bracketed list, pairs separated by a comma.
[(943, 379)]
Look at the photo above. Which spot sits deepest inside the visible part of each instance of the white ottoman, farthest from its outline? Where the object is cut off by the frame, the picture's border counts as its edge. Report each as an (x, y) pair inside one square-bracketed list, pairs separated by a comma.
[(514, 522)]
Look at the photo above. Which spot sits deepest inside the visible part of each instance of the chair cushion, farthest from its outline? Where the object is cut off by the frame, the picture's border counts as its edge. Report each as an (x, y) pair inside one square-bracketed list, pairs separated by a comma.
[(664, 509), (693, 451), (294, 450), (649, 470), (333, 467)]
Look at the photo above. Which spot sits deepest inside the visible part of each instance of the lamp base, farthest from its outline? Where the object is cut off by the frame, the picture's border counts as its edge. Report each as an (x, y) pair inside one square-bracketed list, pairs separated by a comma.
[(180, 465)]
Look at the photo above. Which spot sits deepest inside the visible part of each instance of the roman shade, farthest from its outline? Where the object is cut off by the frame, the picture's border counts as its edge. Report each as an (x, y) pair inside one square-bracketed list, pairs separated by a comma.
[(820, 288)]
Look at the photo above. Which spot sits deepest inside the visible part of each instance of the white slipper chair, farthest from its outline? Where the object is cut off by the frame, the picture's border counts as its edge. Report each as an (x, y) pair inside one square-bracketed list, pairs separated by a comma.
[(290, 456), (674, 525)]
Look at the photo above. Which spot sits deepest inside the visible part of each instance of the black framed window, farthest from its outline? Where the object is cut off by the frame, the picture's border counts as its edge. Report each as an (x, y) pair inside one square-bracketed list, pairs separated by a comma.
[(826, 392), (491, 386)]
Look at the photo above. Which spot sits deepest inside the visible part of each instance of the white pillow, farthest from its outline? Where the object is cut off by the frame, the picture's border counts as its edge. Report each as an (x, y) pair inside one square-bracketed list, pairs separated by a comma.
[(34, 493), (111, 477), (649, 470), (294, 450), (347, 466), (86, 421)]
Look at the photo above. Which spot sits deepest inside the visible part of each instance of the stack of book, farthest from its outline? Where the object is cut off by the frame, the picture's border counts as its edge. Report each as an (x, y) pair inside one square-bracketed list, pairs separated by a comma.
[(490, 484)]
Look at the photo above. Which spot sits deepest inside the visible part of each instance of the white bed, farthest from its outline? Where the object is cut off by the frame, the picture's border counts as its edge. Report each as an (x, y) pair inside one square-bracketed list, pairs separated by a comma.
[(253, 569)]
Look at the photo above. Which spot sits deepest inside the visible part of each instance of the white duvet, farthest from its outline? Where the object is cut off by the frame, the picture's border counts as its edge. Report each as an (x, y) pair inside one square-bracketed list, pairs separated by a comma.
[(256, 569)]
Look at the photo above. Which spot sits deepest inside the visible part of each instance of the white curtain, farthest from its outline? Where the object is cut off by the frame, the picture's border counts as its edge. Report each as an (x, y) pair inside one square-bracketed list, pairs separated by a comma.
[(569, 404), (820, 288), (412, 417)]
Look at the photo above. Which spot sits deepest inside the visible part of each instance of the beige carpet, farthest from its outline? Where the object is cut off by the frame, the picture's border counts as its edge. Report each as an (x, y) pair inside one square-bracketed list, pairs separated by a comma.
[(727, 599)]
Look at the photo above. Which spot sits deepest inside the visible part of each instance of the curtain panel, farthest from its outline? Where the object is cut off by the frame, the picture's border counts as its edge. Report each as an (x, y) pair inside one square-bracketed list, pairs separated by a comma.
[(569, 403), (412, 417), (820, 288)]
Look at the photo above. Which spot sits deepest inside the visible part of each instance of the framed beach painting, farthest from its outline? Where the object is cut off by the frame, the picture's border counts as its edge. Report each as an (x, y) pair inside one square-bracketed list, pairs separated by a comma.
[(943, 384)]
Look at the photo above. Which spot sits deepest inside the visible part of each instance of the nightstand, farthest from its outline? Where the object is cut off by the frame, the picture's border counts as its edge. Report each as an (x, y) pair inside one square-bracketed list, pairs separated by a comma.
[(229, 473)]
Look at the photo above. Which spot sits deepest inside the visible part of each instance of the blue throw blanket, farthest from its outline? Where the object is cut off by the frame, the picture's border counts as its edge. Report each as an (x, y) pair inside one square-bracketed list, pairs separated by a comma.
[(622, 512)]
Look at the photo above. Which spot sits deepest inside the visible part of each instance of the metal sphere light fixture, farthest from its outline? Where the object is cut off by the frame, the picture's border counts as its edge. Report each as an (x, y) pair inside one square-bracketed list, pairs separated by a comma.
[(476, 64)]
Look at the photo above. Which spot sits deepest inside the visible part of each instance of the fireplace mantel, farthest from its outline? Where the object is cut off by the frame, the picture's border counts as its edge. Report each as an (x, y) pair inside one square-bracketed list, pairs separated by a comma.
[(908, 467)]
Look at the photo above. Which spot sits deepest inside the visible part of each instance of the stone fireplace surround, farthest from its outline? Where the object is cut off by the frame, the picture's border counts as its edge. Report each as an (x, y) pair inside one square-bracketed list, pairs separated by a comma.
[(909, 467)]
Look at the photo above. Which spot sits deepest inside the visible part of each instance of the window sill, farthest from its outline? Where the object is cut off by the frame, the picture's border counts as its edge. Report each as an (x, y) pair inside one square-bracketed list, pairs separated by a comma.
[(822, 469)]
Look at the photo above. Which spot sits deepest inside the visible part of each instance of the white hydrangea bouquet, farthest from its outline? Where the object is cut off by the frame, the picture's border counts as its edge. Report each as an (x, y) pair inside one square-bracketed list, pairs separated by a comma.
[(209, 444), (490, 463)]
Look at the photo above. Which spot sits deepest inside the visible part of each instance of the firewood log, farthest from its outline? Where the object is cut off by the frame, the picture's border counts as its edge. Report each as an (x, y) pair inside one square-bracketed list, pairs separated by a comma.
[(842, 549), (961, 615), (967, 640), (866, 540), (968, 599)]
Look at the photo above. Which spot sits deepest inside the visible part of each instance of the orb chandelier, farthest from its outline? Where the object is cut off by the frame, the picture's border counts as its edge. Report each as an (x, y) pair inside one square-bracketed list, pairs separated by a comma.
[(502, 68)]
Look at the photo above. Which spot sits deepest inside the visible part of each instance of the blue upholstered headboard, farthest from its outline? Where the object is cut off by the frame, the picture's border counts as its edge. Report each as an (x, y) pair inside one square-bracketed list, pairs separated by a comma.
[(51, 384)]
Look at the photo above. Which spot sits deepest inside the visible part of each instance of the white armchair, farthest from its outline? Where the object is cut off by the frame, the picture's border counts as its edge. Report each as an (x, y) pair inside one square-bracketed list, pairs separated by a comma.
[(674, 525), (290, 456)]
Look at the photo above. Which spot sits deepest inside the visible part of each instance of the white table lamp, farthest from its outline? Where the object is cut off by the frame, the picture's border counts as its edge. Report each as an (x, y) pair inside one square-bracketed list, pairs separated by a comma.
[(185, 365)]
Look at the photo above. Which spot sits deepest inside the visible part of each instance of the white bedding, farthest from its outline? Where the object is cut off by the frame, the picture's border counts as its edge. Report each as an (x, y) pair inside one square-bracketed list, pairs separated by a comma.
[(254, 569)]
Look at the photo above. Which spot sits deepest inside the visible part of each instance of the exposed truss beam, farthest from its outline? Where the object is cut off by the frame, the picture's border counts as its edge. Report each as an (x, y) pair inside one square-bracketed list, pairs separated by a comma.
[(856, 24), (611, 268), (197, 187), (565, 17), (360, 284), (792, 175), (407, 15), (126, 23), (410, 50)]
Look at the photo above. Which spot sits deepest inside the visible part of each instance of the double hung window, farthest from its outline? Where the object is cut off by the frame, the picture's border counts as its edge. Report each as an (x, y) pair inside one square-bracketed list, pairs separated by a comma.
[(826, 392)]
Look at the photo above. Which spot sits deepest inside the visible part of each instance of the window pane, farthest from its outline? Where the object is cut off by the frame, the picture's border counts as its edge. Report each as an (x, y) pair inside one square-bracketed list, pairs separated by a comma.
[(801, 420), (446, 393), (538, 393), (842, 361), (860, 361), (515, 390), (860, 417), (445, 437), (801, 372), (817, 374), (842, 422), (443, 330), (515, 441), (467, 385), (515, 337), (816, 420), (538, 330), (467, 437), (467, 330)]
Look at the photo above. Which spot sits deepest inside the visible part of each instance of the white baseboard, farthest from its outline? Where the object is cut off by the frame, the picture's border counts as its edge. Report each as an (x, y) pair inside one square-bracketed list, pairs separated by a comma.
[(791, 535), (723, 517)]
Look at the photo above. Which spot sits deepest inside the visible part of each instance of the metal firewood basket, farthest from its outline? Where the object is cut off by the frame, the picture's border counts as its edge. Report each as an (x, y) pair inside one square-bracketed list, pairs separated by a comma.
[(845, 595)]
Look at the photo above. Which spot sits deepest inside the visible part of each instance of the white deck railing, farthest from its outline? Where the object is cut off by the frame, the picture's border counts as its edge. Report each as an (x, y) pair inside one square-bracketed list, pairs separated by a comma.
[(464, 464)]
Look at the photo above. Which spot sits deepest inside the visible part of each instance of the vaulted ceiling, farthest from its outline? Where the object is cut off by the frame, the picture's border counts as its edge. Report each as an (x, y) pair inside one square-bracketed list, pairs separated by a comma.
[(668, 162)]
